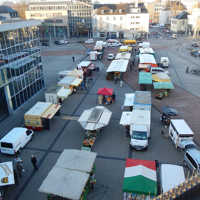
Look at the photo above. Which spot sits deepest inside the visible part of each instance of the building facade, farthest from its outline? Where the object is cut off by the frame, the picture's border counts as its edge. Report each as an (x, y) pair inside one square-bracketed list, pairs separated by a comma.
[(119, 20), (63, 18), (21, 70), (7, 13), (179, 24)]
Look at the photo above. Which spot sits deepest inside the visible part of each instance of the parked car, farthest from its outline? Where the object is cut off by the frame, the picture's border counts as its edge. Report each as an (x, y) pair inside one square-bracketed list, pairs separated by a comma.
[(195, 44), (89, 41), (61, 42), (110, 56), (192, 159), (195, 53)]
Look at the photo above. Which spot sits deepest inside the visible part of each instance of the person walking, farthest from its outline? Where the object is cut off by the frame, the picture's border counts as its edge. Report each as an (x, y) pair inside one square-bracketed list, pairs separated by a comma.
[(73, 58), (34, 162)]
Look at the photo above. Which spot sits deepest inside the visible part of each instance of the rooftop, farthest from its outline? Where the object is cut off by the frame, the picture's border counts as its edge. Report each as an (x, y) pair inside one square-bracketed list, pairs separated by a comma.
[(6, 9), (19, 24)]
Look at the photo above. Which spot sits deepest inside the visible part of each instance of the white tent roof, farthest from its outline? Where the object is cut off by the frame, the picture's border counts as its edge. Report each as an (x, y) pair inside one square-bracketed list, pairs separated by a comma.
[(129, 99), (171, 176), (124, 47), (118, 66), (146, 50), (101, 118), (39, 108), (76, 160), (75, 72), (162, 75), (140, 117), (64, 92), (64, 183), (6, 170), (125, 118), (84, 64), (147, 58), (124, 55), (66, 81)]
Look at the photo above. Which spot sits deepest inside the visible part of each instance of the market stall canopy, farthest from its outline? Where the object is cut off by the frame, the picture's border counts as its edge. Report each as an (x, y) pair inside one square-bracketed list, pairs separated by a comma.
[(70, 174), (6, 170), (66, 81), (64, 183), (140, 117), (147, 58), (105, 91), (143, 66), (160, 77), (64, 92), (142, 97), (84, 64), (163, 85), (140, 177), (51, 111), (145, 78), (123, 48), (76, 82), (95, 118), (125, 118), (123, 55), (146, 50), (129, 99), (75, 73), (118, 66), (73, 159)]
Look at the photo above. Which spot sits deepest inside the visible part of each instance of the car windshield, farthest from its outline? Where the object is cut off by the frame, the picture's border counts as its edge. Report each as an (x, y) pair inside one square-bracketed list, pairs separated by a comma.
[(139, 135)]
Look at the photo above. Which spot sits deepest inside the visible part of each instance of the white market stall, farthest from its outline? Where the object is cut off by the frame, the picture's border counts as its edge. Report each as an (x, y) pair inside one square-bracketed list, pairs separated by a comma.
[(129, 100), (57, 94), (75, 73), (6, 174), (70, 176), (147, 59), (123, 56), (95, 118), (116, 68)]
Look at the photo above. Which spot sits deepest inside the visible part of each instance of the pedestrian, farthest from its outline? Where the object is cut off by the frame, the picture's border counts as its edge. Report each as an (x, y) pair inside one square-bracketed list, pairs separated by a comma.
[(113, 97), (20, 169), (73, 58), (121, 83), (187, 70), (16, 177), (34, 162)]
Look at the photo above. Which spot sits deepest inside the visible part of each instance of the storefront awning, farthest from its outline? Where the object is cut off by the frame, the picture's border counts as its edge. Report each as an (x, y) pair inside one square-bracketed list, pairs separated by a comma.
[(145, 78)]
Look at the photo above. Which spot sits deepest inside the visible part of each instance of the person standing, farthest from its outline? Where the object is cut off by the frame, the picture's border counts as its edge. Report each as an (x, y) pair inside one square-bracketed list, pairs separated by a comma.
[(34, 162), (73, 58), (20, 169)]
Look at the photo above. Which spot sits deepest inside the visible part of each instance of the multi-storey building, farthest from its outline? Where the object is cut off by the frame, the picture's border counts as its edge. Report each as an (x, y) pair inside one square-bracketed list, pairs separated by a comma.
[(7, 13), (119, 20), (21, 71), (62, 18)]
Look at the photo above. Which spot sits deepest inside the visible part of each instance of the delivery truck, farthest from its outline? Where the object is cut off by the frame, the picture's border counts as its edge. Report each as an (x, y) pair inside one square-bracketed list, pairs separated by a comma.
[(140, 129)]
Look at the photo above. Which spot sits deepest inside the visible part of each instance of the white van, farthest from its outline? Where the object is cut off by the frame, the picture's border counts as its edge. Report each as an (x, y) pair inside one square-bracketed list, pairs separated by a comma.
[(16, 139), (180, 132)]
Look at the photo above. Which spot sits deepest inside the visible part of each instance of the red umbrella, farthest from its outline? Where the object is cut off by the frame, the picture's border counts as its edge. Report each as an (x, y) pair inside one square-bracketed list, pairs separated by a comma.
[(105, 91)]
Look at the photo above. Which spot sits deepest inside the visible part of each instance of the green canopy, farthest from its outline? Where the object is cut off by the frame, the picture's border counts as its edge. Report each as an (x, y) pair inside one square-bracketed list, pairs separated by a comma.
[(145, 78), (140, 177), (163, 85)]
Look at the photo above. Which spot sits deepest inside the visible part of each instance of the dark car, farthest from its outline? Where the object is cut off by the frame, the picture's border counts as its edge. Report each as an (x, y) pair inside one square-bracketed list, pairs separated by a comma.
[(195, 44), (195, 53)]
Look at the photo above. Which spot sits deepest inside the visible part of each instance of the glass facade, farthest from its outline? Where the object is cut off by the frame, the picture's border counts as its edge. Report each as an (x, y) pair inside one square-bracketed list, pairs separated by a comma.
[(21, 70)]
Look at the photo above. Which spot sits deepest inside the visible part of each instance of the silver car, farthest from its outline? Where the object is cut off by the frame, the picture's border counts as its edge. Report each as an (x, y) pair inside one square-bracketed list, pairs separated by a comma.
[(192, 159)]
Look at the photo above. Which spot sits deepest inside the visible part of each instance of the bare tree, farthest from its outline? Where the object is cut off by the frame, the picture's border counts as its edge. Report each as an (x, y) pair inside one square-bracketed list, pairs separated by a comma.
[(21, 7), (196, 29)]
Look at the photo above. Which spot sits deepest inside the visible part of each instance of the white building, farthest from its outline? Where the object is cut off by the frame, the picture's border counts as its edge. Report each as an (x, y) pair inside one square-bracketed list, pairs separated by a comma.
[(119, 20), (179, 23), (193, 18), (164, 17)]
